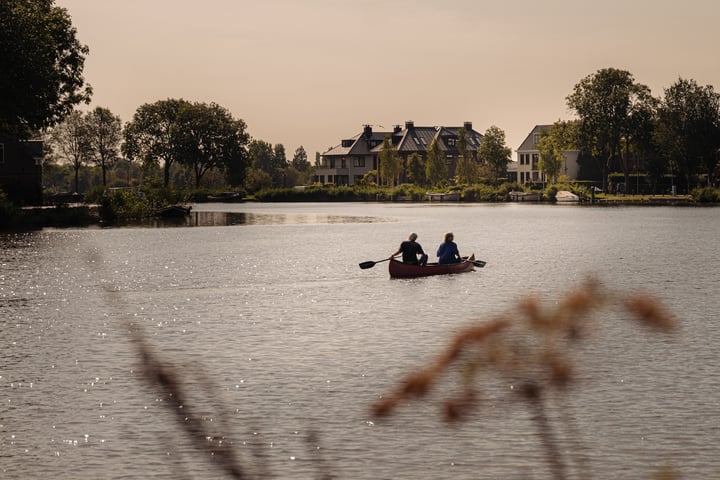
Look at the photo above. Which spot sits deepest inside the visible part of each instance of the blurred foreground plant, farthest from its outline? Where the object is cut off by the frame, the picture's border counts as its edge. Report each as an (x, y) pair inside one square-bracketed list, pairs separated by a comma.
[(529, 349)]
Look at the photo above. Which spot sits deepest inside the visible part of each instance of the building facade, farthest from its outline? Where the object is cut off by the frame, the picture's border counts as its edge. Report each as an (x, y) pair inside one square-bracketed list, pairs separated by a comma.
[(21, 170), (348, 162), (525, 168)]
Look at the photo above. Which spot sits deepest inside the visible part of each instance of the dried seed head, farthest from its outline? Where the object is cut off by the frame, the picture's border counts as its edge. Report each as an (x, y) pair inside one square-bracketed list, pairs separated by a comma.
[(648, 310)]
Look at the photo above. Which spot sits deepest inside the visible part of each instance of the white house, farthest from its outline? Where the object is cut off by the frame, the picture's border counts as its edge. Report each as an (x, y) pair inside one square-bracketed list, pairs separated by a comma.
[(525, 168)]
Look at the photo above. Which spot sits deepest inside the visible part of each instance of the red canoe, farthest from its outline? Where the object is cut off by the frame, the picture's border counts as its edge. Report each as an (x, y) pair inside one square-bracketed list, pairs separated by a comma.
[(407, 270)]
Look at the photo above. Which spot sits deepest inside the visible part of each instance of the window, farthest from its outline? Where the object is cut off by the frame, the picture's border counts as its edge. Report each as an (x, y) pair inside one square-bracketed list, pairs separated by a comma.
[(451, 142), (536, 138), (343, 163), (332, 163), (359, 162)]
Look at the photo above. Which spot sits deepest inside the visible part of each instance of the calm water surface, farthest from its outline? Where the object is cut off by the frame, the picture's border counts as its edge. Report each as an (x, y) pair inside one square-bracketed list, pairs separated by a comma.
[(279, 336)]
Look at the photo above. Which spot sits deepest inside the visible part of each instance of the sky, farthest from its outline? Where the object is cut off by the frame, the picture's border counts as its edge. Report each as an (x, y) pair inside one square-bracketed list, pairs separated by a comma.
[(313, 72)]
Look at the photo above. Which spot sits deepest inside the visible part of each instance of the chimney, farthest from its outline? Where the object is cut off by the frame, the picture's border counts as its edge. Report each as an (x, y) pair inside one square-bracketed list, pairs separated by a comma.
[(409, 125), (367, 131), (396, 129), (467, 126)]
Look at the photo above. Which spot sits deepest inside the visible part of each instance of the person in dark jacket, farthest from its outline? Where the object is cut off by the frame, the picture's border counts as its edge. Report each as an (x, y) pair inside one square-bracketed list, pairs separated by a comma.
[(410, 250), (448, 250)]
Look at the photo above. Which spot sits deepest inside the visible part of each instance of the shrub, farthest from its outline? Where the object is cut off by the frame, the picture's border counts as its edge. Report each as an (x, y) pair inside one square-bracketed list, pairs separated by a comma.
[(706, 195)]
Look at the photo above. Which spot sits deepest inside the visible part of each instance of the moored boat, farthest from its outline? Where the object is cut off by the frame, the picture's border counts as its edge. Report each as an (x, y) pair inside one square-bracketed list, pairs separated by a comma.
[(174, 211), (407, 270), (564, 196)]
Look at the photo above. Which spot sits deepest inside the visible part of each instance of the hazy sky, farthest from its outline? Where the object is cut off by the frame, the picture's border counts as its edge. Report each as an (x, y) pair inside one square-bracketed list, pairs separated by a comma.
[(311, 72)]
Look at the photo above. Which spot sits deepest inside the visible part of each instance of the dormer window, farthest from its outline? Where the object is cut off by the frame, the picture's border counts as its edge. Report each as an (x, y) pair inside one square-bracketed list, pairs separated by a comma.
[(347, 143)]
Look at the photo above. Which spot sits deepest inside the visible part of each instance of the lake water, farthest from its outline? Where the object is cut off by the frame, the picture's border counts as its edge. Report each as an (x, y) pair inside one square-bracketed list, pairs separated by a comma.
[(284, 343)]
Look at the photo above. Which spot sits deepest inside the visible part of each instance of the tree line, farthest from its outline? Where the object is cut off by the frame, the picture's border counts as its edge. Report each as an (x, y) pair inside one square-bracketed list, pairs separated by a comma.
[(620, 126), (173, 136)]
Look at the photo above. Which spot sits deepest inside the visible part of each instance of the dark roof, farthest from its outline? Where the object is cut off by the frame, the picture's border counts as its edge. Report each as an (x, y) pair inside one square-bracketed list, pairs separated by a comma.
[(409, 140), (529, 142)]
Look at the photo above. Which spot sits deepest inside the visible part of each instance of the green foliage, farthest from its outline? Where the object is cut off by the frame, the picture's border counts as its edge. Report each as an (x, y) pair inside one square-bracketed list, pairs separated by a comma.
[(480, 193), (436, 169), (409, 191), (688, 130), (300, 160), (493, 153), (104, 130), (416, 169), (390, 163), (611, 108), (132, 203), (41, 78), (210, 138), (152, 135), (706, 195)]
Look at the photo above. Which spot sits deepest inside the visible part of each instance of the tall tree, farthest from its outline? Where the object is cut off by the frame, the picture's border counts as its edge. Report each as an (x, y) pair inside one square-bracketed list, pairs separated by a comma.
[(300, 160), (466, 170), (210, 138), (604, 103), (416, 169), (261, 155), (390, 163), (71, 141), (494, 153), (153, 134), (689, 127), (435, 168), (104, 135), (42, 61)]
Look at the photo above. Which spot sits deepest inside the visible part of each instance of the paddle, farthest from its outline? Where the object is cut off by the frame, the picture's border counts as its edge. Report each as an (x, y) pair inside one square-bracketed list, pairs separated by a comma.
[(370, 263), (477, 263)]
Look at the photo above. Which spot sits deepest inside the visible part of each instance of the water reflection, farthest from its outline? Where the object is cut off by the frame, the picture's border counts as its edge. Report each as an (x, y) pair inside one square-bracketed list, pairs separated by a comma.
[(221, 219)]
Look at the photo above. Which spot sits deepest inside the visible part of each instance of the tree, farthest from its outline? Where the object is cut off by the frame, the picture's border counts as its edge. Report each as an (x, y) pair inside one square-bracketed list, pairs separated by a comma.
[(466, 170), (104, 136), (436, 169), (494, 153), (604, 103), (300, 160), (209, 138), (390, 163), (416, 169), (71, 141), (552, 147), (689, 127), (41, 78), (153, 134)]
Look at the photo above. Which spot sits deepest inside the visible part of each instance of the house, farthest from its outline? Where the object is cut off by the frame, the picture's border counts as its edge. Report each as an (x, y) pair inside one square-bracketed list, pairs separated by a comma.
[(348, 162), (525, 168), (21, 171)]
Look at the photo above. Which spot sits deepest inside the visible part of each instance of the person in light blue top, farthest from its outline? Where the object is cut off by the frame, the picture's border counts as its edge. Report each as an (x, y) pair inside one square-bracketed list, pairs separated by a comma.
[(448, 250)]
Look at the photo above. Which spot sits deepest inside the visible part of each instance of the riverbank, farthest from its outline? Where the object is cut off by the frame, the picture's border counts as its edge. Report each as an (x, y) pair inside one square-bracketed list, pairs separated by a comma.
[(648, 200)]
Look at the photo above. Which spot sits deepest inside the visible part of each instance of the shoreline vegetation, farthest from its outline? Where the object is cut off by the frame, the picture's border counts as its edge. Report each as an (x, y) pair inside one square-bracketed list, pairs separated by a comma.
[(110, 207)]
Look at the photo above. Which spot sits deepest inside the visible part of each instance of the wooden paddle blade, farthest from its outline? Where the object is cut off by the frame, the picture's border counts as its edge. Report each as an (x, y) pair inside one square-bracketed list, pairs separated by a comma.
[(368, 264)]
